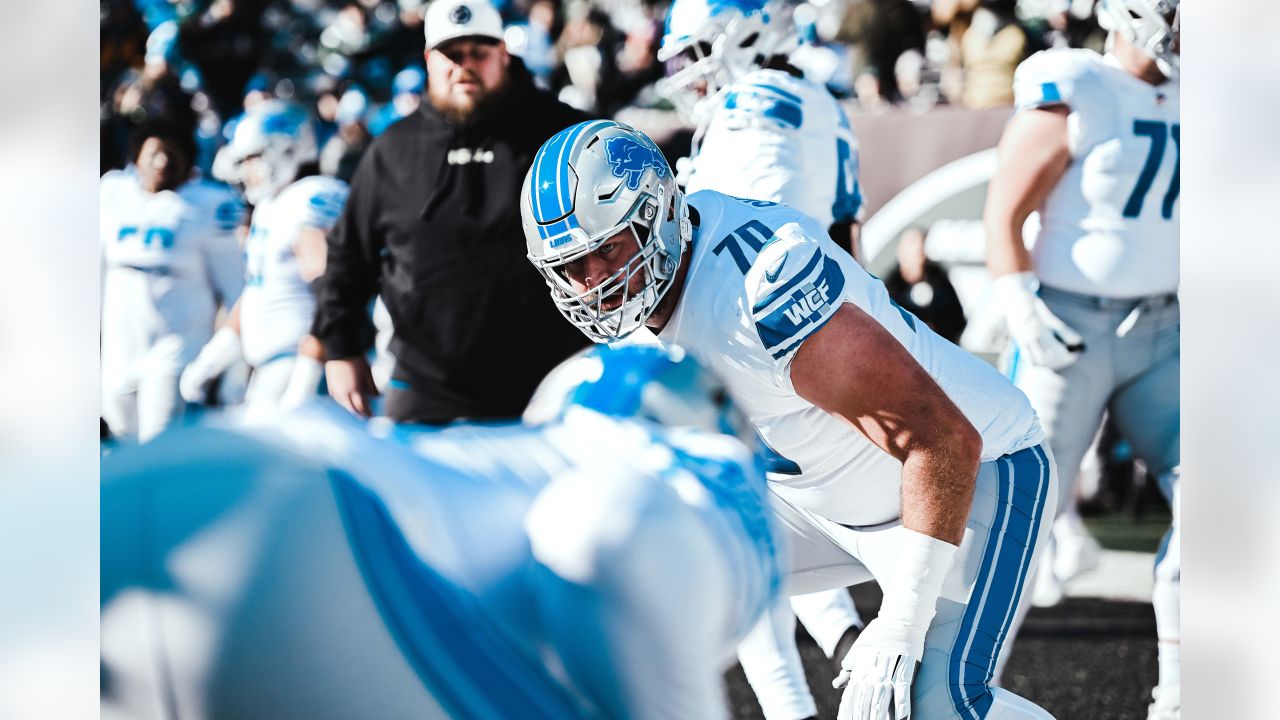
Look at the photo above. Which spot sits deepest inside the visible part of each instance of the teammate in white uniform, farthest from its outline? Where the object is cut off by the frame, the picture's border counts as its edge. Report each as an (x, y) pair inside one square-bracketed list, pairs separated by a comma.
[(765, 132), (1093, 307), (308, 566), (919, 465), (285, 250), (170, 258)]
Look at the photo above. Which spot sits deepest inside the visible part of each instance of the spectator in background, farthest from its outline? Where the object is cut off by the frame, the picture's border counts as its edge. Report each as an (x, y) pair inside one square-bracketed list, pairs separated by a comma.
[(406, 93), (170, 258), (538, 42), (882, 30), (226, 43), (154, 95), (921, 287), (433, 223), (635, 66), (341, 154), (587, 51), (990, 51)]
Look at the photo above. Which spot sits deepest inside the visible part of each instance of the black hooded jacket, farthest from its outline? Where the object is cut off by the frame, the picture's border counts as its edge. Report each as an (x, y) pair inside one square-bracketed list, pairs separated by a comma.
[(433, 224)]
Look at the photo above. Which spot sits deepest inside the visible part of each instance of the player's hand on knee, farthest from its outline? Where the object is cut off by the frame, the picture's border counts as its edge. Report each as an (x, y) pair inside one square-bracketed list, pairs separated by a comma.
[(876, 681), (215, 357), (1044, 338)]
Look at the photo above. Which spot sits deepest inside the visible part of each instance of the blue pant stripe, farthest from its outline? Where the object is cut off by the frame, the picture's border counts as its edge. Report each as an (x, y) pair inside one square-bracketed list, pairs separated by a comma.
[(1000, 581)]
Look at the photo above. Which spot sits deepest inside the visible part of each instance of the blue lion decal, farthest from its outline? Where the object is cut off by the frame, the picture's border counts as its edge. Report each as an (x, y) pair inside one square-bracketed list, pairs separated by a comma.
[(629, 157)]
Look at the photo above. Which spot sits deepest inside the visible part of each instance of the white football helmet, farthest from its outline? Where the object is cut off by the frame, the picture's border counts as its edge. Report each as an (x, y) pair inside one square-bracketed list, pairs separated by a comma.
[(1151, 25), (709, 44), (588, 183), (279, 133)]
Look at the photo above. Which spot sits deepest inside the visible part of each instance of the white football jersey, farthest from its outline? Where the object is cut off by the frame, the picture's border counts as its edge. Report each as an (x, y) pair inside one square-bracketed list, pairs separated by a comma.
[(777, 137), (1110, 226), (169, 259), (277, 307), (762, 278)]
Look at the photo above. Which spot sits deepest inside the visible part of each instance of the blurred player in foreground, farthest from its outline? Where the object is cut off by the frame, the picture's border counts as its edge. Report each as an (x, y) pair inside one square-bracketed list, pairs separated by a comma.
[(1093, 309), (919, 466), (272, 159), (764, 132), (601, 563), (169, 259)]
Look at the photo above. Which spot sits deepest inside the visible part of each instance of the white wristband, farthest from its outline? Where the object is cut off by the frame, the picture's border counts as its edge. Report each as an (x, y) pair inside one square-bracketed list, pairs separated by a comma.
[(1015, 290), (911, 595)]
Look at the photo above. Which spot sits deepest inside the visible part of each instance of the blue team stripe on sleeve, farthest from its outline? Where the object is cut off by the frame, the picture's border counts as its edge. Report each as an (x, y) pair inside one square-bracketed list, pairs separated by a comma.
[(781, 93), (1049, 92), (790, 285)]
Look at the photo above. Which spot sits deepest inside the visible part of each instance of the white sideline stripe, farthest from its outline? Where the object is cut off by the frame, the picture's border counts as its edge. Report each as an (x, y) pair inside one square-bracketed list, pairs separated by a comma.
[(1120, 575)]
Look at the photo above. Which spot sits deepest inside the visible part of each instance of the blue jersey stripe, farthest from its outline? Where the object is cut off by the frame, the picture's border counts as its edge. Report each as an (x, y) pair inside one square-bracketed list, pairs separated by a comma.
[(454, 649), (782, 93)]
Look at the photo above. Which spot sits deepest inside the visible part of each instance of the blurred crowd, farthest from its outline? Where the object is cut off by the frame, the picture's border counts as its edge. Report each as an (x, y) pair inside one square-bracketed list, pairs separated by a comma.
[(358, 64)]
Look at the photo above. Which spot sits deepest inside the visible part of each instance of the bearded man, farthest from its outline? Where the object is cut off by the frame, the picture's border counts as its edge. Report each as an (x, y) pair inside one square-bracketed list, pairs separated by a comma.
[(433, 225)]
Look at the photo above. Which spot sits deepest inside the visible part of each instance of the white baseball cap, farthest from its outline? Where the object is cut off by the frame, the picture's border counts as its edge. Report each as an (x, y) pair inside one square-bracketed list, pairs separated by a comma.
[(450, 19)]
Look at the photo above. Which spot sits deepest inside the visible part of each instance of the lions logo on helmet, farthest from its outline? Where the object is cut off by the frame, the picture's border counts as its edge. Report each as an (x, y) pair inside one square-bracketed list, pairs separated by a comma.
[(708, 44), (587, 184), (280, 136), (629, 159)]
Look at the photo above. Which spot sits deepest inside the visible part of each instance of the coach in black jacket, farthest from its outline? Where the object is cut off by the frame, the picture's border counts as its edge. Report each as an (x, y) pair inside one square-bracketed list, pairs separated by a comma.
[(433, 224)]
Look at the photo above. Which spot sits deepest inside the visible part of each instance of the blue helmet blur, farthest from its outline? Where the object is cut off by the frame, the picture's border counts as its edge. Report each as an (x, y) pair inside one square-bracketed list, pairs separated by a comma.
[(662, 385)]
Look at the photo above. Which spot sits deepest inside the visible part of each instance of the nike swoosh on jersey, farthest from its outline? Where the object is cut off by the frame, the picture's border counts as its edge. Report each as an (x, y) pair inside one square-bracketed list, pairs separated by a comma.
[(771, 274)]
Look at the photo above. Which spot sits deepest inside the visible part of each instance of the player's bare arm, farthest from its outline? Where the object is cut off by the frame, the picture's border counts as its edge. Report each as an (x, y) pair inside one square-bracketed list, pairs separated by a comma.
[(311, 251), (1033, 155), (854, 369)]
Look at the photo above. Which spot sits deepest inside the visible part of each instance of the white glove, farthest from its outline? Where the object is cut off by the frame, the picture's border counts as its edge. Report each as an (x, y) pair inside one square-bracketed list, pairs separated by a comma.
[(878, 670), (1046, 340), (304, 381), (214, 358), (877, 683)]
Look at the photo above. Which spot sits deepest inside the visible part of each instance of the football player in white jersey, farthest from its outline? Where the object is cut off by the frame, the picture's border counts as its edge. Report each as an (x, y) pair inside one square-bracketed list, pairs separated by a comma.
[(920, 466), (765, 132), (601, 563), (169, 259), (1092, 308), (285, 251)]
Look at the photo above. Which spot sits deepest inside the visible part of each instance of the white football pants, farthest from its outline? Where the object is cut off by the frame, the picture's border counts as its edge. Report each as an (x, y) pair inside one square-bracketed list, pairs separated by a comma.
[(1013, 507)]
